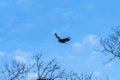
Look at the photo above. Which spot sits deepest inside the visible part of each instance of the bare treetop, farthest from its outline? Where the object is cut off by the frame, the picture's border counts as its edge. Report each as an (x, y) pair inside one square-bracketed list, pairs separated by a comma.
[(111, 44)]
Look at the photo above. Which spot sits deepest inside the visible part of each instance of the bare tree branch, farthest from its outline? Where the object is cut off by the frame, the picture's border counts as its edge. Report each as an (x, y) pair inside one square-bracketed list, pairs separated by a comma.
[(111, 44), (51, 70), (15, 70)]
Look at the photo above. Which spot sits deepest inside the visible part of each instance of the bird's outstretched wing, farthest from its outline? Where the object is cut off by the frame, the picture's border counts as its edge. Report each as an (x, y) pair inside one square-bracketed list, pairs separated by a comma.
[(57, 36), (66, 39)]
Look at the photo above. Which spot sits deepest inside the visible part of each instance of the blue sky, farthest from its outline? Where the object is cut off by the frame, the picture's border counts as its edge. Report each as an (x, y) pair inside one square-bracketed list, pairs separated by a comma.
[(28, 26)]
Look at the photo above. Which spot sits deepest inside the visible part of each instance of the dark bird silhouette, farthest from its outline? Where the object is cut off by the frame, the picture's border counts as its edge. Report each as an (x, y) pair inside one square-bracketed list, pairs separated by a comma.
[(64, 40)]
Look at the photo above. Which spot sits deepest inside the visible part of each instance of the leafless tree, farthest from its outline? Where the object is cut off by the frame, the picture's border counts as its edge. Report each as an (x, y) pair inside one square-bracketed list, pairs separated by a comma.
[(76, 76), (15, 71), (44, 71), (50, 71), (111, 44)]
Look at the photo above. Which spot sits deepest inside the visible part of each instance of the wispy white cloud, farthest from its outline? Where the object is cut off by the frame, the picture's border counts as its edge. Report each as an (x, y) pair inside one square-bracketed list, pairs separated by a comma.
[(91, 39), (94, 55), (20, 59), (21, 56), (108, 65), (32, 76), (97, 73), (72, 57), (21, 52), (2, 53), (77, 46)]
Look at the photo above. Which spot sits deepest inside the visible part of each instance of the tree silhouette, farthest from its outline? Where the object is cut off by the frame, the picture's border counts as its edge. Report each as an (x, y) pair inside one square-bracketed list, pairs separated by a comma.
[(15, 71), (111, 44), (50, 71), (43, 71)]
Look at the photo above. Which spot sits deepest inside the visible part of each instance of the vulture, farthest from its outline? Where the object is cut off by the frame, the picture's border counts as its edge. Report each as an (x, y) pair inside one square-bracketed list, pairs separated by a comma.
[(62, 40)]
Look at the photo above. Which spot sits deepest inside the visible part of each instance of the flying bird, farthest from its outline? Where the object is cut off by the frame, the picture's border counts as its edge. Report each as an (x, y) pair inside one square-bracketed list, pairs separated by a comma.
[(64, 40)]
